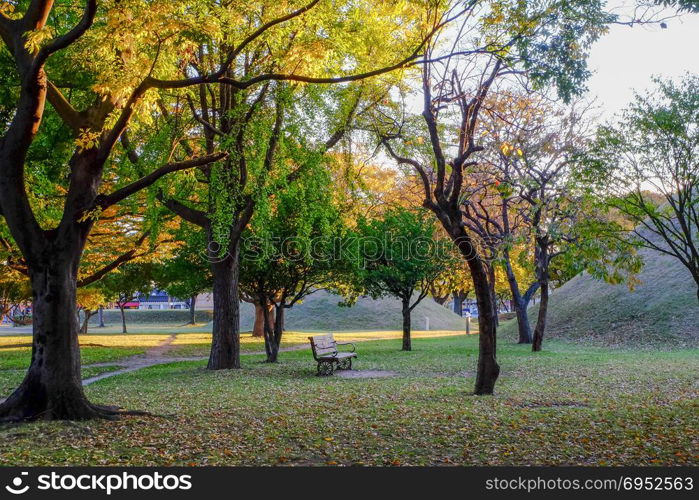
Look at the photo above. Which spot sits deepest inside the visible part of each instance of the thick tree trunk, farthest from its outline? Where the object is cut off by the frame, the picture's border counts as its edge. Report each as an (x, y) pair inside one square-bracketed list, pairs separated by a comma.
[(541, 319), (193, 310), (407, 345), (225, 342), (458, 304), (488, 369), (52, 388), (525, 333)]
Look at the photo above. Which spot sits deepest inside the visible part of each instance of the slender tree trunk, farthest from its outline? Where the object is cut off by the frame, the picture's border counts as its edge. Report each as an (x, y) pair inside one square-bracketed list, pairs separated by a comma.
[(52, 388), (225, 343), (123, 318), (272, 329), (543, 274), (280, 319), (192, 310), (276, 330), (407, 345), (258, 329), (493, 295), (541, 319), (101, 316), (525, 333), (86, 321)]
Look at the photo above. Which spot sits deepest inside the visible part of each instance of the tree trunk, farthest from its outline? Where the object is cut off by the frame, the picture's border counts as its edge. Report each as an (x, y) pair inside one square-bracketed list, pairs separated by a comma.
[(525, 332), (273, 328), (225, 342), (541, 319), (407, 346), (86, 321), (101, 316), (458, 304), (123, 318), (258, 329), (493, 295), (192, 310), (276, 330), (52, 388), (488, 368), (543, 275)]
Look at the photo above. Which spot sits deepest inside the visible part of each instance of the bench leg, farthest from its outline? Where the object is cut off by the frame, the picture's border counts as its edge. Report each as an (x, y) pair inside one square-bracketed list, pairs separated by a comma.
[(325, 368)]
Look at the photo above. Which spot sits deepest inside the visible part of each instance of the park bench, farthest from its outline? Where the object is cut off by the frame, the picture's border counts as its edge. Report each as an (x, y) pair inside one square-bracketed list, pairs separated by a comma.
[(328, 357)]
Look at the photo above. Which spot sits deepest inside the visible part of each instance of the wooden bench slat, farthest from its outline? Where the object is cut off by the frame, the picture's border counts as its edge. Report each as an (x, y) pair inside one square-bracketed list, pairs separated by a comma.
[(339, 355)]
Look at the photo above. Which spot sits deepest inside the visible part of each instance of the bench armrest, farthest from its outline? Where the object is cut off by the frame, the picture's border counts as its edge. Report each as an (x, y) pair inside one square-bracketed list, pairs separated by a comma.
[(354, 348)]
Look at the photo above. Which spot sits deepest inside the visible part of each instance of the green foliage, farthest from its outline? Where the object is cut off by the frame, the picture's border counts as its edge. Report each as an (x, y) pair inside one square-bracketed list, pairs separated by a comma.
[(680, 5), (399, 254), (646, 170), (187, 273), (553, 40), (128, 282), (290, 249)]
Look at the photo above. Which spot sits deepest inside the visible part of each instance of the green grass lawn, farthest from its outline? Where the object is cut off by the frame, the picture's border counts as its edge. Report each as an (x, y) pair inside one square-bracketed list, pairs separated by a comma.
[(568, 405)]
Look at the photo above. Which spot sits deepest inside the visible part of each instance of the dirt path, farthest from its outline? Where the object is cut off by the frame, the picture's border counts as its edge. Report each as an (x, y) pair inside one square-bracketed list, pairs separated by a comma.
[(158, 356)]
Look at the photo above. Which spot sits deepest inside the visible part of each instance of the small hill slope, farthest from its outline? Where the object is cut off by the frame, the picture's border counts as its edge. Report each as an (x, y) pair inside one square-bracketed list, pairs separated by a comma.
[(320, 312), (663, 309)]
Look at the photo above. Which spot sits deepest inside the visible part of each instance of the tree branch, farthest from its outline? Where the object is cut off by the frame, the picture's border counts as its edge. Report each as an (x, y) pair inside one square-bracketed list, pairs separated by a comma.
[(191, 215), (105, 201), (78, 30), (65, 110), (122, 259)]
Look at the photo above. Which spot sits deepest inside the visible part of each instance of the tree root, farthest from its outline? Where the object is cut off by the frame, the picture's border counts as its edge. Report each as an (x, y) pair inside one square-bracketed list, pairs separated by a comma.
[(15, 414)]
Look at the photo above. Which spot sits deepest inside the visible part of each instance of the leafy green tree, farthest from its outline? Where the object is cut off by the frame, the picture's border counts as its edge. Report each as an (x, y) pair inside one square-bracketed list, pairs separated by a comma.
[(109, 69), (646, 168), (291, 249), (126, 284), (187, 274), (90, 300), (547, 41), (400, 257)]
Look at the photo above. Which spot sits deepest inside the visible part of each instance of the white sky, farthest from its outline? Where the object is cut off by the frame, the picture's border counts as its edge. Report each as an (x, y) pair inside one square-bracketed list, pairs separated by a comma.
[(626, 58)]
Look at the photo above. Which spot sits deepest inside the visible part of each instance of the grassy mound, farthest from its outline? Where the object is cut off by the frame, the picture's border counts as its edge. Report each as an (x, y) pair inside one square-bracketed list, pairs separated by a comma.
[(663, 309), (319, 312)]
